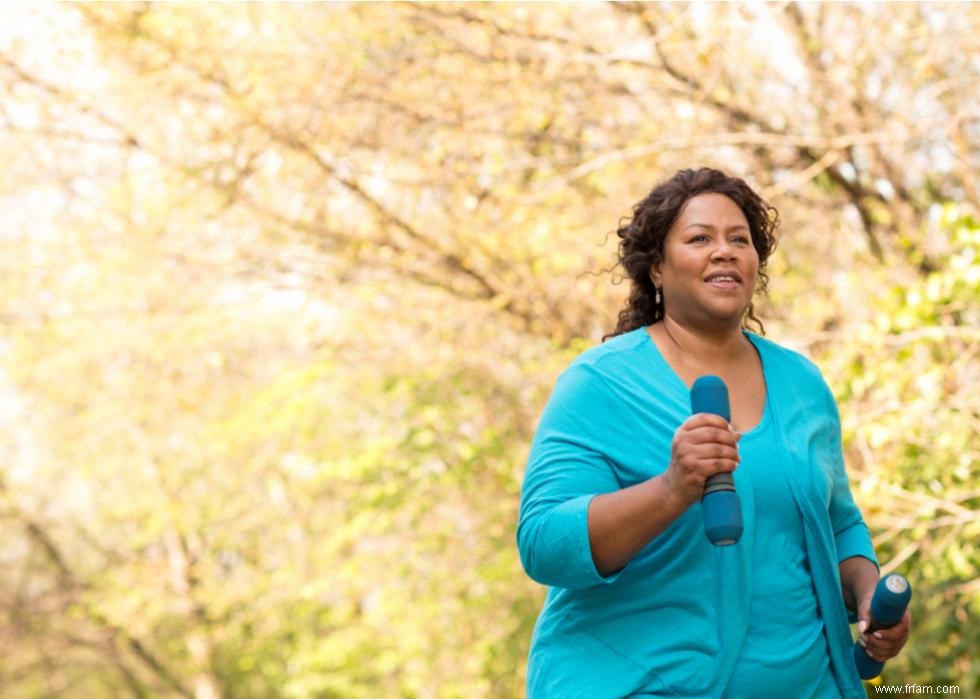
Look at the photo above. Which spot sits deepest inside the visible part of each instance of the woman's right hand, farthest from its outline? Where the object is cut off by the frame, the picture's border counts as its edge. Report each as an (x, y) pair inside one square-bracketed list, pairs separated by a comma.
[(703, 445), (623, 521)]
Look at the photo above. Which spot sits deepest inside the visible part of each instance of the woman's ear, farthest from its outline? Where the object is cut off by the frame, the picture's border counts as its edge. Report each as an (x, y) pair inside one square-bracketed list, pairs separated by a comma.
[(655, 276)]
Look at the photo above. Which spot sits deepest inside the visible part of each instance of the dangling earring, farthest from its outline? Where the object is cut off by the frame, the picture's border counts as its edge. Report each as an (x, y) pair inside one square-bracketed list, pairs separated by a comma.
[(656, 290)]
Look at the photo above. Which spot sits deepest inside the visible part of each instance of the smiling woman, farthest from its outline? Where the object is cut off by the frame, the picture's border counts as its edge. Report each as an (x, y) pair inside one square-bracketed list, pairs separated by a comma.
[(707, 277), (688, 195), (709, 266), (640, 603)]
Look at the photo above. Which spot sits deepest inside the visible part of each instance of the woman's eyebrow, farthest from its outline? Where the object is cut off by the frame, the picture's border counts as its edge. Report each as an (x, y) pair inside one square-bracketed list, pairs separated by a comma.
[(737, 227)]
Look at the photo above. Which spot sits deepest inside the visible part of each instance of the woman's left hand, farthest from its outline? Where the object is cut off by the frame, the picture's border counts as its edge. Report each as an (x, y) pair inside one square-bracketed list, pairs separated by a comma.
[(882, 644)]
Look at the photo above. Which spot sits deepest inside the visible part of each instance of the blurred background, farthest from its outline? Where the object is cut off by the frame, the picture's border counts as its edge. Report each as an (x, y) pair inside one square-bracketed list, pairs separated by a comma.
[(284, 287)]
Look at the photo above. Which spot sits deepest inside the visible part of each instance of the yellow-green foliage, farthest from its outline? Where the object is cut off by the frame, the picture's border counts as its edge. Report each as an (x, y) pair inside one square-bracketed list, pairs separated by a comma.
[(285, 286)]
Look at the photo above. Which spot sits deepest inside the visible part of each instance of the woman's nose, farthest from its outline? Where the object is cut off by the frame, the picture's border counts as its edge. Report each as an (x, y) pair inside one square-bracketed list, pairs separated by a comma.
[(723, 250)]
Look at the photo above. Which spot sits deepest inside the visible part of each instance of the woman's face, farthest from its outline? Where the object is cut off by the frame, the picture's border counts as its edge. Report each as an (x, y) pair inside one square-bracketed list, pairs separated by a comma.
[(710, 266)]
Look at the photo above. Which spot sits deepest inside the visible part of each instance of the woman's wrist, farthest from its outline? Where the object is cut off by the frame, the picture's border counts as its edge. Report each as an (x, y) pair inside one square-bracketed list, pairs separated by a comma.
[(858, 577), (624, 521), (673, 495)]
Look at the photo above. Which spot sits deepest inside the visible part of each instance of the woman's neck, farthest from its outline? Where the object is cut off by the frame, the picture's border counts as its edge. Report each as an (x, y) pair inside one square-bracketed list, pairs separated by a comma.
[(694, 345)]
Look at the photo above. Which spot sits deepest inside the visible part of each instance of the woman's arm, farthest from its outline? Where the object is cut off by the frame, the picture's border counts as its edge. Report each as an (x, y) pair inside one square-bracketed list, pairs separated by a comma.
[(623, 522), (577, 524), (858, 578)]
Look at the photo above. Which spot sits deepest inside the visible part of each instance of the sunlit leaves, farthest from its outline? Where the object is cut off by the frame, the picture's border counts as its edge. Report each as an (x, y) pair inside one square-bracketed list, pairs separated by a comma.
[(909, 383), (285, 287)]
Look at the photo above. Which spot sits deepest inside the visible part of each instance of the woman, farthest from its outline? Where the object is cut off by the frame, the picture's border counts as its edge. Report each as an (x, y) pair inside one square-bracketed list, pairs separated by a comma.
[(640, 602)]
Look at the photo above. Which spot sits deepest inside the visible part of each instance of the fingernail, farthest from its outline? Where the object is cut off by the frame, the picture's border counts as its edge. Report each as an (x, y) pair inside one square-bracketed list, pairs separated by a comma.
[(876, 634), (862, 625)]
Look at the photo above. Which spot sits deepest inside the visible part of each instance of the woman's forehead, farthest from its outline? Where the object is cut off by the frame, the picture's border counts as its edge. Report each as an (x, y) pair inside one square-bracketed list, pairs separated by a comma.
[(712, 209)]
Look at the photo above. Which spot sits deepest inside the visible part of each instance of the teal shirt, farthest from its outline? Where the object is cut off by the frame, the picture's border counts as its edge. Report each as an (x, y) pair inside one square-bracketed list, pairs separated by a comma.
[(672, 622), (785, 648)]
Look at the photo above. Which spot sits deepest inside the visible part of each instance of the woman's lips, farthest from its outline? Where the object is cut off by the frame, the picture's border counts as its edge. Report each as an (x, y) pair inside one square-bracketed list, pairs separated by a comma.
[(723, 281)]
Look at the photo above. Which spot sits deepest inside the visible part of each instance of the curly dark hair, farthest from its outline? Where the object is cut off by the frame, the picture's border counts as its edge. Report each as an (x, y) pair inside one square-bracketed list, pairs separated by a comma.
[(642, 237)]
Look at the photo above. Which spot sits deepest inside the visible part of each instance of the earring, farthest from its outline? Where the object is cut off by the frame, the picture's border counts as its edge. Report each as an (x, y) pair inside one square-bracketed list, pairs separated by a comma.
[(656, 297)]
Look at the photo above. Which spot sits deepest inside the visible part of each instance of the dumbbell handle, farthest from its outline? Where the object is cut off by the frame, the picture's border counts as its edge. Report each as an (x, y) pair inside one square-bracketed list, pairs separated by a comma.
[(888, 605)]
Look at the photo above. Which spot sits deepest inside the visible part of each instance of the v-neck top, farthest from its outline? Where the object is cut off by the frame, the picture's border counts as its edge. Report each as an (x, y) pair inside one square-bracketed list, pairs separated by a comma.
[(661, 364), (673, 622), (785, 649)]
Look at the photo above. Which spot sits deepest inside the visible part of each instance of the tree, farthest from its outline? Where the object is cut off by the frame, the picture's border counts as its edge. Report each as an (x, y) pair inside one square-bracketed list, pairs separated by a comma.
[(308, 272)]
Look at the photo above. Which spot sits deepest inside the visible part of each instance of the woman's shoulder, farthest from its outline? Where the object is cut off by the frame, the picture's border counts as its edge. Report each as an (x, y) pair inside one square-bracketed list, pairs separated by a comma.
[(604, 380), (784, 357), (790, 367), (613, 354)]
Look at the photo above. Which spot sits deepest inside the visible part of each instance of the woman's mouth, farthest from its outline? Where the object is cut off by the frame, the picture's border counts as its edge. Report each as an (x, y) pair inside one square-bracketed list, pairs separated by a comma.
[(724, 280)]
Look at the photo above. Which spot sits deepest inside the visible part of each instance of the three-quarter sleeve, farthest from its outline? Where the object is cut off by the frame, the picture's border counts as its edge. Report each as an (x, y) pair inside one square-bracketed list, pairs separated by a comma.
[(567, 467), (851, 534)]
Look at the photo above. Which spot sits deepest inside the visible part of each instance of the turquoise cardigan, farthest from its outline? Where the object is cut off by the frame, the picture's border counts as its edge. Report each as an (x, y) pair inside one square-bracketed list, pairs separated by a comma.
[(671, 623)]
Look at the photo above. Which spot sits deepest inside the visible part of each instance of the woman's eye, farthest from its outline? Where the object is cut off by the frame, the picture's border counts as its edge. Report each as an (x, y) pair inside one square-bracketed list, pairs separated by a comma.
[(742, 240)]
